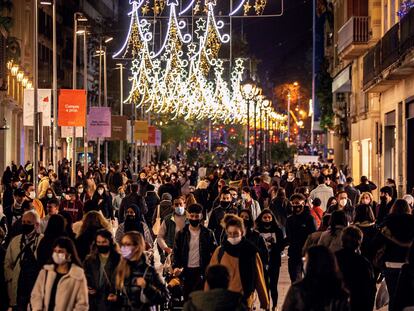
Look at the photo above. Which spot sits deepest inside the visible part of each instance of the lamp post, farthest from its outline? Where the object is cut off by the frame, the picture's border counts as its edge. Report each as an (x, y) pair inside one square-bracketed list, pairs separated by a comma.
[(257, 99), (121, 105), (248, 90), (35, 102), (265, 107), (77, 17)]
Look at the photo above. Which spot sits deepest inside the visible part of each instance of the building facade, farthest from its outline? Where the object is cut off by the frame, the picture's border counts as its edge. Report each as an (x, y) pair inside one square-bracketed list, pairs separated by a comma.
[(373, 89)]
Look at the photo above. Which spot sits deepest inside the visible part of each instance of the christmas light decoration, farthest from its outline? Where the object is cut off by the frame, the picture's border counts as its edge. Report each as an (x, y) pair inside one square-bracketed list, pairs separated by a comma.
[(184, 78)]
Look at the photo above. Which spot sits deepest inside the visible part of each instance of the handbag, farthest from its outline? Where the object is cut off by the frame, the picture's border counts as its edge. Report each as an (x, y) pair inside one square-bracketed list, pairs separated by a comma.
[(157, 225), (383, 298)]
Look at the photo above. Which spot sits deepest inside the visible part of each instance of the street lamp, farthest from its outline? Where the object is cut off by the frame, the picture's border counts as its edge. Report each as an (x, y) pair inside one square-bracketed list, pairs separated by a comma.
[(77, 17), (248, 90), (257, 100), (121, 67), (265, 108)]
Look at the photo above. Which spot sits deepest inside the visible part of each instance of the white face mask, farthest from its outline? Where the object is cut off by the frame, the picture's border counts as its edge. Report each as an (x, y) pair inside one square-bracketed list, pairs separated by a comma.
[(32, 195), (343, 202), (100, 191), (59, 258), (180, 210), (234, 241), (50, 195)]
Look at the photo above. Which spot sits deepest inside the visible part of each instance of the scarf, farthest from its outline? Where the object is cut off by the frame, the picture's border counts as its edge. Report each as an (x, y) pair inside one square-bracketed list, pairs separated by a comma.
[(246, 252)]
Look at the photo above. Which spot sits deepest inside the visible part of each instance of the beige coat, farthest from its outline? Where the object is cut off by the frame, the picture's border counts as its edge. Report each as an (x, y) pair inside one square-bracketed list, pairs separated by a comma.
[(12, 266), (42, 187), (71, 292)]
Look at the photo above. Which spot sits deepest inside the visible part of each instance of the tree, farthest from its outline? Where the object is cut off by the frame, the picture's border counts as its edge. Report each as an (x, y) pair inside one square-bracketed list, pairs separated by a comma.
[(324, 95)]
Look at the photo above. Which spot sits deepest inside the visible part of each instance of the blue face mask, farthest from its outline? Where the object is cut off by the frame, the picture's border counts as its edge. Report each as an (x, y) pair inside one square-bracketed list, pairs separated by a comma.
[(179, 210)]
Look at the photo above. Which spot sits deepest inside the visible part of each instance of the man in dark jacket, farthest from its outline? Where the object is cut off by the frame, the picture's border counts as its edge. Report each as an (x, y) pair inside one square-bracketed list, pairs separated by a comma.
[(217, 297), (386, 202), (168, 187), (130, 199), (298, 227), (217, 215), (152, 200), (193, 248), (366, 185), (353, 193), (357, 271)]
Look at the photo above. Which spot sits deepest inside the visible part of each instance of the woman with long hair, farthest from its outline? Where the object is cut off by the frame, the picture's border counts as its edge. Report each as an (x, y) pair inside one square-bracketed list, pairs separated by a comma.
[(61, 285), (103, 199), (138, 285), (322, 287), (331, 238), (275, 243), (365, 220), (92, 222), (243, 262), (100, 266)]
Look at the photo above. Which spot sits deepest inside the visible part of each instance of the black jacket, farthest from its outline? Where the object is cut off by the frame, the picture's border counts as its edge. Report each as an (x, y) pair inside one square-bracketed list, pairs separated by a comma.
[(168, 188), (359, 279), (92, 266), (182, 246), (152, 200), (298, 227), (405, 288)]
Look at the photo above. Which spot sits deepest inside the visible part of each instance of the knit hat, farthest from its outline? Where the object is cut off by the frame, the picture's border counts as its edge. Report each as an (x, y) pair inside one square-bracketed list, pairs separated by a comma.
[(166, 197)]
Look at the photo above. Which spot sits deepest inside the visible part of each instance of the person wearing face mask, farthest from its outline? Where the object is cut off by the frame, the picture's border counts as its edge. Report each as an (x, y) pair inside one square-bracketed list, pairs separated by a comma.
[(82, 194), (243, 261), (343, 204), (117, 199), (15, 211), (299, 226), (275, 243), (171, 224), (61, 285), (49, 195), (52, 209), (139, 287), (20, 265), (386, 202), (103, 199), (133, 198), (43, 183), (72, 205), (100, 266), (249, 202), (134, 222), (31, 195), (217, 214), (193, 248)]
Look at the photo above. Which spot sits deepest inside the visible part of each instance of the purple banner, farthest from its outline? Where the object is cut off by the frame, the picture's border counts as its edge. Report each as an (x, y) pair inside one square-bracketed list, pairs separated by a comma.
[(99, 122)]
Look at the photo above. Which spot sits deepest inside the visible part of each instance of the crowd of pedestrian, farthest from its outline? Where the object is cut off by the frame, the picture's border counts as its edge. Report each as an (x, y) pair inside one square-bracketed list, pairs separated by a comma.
[(202, 237)]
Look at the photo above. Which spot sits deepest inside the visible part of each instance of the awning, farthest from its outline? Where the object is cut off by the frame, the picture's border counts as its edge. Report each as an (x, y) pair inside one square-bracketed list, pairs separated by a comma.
[(342, 81)]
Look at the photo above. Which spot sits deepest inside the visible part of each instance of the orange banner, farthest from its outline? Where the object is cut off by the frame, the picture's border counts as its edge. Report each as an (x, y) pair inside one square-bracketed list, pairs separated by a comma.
[(72, 108), (141, 130)]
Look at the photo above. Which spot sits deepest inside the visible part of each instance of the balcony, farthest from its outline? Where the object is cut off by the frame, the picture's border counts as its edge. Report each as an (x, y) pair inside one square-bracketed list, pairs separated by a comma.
[(392, 58), (353, 37)]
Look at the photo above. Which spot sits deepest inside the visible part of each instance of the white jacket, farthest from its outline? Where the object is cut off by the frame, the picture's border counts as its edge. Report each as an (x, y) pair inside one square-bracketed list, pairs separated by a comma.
[(71, 292)]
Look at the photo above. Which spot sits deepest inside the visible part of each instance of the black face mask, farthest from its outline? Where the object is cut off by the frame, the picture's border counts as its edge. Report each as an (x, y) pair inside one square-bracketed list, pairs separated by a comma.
[(130, 218), (225, 204), (267, 224), (103, 249), (383, 198), (27, 229), (194, 222), (297, 209)]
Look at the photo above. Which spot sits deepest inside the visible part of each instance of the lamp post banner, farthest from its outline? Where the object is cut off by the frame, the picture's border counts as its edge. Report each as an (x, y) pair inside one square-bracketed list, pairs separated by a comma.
[(141, 130), (119, 128), (72, 108), (67, 131), (99, 122), (44, 100)]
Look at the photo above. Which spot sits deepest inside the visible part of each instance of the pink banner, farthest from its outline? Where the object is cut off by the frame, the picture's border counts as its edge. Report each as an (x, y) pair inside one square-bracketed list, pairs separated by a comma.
[(99, 122)]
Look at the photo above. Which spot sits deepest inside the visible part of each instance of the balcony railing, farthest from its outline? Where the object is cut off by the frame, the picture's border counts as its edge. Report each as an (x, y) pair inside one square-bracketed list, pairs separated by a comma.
[(353, 36), (390, 47)]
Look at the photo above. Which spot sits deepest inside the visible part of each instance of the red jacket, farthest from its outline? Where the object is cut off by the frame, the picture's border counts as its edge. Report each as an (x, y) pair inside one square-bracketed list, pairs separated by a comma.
[(317, 214)]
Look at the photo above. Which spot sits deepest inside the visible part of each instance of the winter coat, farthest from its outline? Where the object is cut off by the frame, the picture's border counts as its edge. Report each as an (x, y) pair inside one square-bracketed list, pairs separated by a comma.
[(131, 199), (281, 209), (323, 192), (147, 233), (359, 279), (218, 299), (71, 292), (42, 187), (405, 288), (297, 299), (12, 265), (92, 265), (152, 200), (333, 241), (207, 245), (155, 292), (298, 228)]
